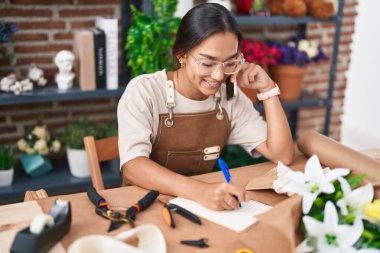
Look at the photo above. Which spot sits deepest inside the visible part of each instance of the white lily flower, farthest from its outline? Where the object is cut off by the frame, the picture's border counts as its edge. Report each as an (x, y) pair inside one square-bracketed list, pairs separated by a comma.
[(310, 184), (318, 181), (354, 201), (303, 247), (288, 181), (330, 236)]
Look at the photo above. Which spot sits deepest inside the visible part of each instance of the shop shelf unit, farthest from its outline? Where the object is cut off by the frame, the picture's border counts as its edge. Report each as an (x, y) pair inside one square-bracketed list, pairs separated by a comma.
[(68, 183)]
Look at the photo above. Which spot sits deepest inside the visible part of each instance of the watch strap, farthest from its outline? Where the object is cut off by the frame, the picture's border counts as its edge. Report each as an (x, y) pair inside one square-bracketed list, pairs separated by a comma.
[(275, 91)]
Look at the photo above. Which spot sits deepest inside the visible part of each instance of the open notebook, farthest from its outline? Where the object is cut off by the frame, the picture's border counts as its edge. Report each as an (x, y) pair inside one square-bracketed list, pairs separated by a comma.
[(237, 220)]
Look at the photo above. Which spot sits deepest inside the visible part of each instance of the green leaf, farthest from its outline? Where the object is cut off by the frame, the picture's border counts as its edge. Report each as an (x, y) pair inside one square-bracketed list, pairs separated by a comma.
[(354, 181), (150, 39)]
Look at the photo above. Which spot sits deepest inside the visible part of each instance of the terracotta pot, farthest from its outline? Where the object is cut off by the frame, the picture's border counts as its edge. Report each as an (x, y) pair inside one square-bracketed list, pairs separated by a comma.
[(289, 79)]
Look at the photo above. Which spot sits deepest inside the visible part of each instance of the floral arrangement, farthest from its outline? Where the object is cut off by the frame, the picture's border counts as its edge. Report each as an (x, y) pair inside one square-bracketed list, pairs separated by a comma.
[(38, 141), (338, 216), (7, 29), (298, 51), (259, 52)]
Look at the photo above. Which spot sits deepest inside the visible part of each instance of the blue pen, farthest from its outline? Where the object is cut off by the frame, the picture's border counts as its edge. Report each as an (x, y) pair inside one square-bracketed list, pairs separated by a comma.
[(224, 167)]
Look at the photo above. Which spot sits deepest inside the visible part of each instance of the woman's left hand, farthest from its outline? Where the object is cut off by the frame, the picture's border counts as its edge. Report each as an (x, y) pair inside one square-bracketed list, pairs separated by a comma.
[(252, 76)]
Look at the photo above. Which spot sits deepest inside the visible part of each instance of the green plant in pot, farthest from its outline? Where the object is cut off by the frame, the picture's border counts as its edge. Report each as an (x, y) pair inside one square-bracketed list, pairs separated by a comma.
[(7, 161), (72, 138), (150, 38)]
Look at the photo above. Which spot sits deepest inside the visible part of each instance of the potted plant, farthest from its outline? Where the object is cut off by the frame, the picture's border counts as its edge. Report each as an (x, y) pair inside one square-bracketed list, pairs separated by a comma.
[(258, 52), (150, 38), (36, 144), (288, 72), (7, 161), (72, 138)]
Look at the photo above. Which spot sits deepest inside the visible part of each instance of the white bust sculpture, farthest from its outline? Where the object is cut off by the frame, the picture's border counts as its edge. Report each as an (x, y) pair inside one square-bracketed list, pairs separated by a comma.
[(64, 61)]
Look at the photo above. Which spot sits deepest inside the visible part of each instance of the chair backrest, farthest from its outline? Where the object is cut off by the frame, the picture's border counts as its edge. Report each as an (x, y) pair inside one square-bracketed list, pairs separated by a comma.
[(99, 151)]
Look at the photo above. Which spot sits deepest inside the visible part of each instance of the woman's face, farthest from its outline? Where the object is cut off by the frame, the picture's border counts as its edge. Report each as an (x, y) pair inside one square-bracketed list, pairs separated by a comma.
[(195, 83)]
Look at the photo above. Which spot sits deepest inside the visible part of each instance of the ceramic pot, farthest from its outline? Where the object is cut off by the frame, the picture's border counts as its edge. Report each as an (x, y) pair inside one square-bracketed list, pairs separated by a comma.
[(78, 162), (35, 165), (289, 79), (6, 177)]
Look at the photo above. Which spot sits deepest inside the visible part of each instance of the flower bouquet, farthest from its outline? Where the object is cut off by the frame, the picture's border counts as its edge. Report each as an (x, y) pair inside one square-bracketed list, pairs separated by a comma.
[(36, 144), (338, 215), (290, 68), (258, 52)]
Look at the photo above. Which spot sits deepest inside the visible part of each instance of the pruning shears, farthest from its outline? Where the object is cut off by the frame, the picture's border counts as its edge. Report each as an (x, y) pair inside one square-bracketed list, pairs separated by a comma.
[(119, 215), (168, 217)]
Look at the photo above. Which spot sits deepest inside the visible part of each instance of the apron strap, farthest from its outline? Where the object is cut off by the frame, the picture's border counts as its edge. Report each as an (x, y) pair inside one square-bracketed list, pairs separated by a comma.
[(170, 103)]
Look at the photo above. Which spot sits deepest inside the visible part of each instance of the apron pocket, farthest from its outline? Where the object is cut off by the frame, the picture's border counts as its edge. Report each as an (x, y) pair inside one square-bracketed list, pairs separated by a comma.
[(184, 162)]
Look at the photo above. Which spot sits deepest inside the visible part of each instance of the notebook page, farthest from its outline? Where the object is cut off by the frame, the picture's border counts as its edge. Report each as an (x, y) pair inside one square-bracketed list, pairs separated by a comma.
[(237, 220)]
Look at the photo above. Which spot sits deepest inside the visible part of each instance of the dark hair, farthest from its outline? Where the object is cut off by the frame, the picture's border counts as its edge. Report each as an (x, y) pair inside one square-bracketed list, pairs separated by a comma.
[(201, 22)]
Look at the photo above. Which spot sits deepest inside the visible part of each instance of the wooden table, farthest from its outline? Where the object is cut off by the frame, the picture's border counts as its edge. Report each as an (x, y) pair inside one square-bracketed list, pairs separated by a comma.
[(260, 237)]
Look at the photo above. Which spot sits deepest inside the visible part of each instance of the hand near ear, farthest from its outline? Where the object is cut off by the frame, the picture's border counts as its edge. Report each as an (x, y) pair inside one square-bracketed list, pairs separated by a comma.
[(252, 76)]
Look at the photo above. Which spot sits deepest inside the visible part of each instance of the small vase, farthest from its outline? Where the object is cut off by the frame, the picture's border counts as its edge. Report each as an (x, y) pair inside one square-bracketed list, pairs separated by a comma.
[(35, 165), (6, 177), (78, 162), (289, 79)]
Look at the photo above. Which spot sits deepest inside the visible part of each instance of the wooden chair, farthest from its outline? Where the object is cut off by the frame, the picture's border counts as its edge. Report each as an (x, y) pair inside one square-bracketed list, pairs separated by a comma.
[(99, 151), (34, 195)]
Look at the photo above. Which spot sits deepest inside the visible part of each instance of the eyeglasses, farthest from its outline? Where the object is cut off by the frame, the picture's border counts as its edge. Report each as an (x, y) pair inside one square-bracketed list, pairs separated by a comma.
[(208, 67)]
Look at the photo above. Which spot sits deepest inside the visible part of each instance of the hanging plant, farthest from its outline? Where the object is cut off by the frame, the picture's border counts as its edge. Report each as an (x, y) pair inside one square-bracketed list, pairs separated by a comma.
[(150, 38)]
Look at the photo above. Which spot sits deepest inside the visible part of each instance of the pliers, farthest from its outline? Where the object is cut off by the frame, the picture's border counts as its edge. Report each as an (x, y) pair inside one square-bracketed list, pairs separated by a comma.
[(115, 215), (168, 217)]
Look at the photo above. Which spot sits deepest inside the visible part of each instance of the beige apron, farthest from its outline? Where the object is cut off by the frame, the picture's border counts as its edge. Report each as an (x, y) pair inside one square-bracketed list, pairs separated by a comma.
[(190, 143)]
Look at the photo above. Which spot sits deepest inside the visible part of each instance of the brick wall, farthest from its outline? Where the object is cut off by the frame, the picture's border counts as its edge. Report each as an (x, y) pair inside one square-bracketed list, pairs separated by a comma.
[(46, 26)]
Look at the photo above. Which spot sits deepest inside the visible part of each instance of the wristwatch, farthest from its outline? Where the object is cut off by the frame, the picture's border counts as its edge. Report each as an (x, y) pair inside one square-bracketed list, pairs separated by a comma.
[(268, 94)]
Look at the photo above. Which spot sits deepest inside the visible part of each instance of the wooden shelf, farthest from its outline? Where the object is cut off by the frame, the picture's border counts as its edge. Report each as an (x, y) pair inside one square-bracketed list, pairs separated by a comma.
[(250, 20), (57, 181)]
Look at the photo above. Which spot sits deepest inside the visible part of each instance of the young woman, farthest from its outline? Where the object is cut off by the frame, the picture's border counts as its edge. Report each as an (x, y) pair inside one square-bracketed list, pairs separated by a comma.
[(173, 124)]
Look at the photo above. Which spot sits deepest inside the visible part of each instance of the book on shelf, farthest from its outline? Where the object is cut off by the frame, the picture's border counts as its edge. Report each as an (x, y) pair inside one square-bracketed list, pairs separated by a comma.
[(84, 52), (110, 28), (100, 58)]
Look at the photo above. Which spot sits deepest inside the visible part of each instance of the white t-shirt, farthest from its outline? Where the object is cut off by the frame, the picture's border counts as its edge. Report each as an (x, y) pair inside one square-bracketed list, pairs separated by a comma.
[(145, 98)]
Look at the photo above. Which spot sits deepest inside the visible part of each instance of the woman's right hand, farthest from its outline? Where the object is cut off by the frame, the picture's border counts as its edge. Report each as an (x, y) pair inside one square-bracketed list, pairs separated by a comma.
[(220, 196)]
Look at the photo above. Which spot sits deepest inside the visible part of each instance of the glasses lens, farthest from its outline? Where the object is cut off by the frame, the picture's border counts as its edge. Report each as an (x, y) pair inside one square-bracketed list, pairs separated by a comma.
[(207, 67), (231, 67)]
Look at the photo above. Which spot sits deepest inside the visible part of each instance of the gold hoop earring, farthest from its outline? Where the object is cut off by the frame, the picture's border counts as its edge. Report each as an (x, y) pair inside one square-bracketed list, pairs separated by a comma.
[(181, 64)]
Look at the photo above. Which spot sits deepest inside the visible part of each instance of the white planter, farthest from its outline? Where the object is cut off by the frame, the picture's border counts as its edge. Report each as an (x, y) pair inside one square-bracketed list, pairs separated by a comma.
[(78, 162), (6, 177)]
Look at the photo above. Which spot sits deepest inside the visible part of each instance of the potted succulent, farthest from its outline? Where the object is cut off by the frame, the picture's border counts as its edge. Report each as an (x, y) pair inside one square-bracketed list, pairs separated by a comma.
[(7, 161), (288, 72), (36, 144), (72, 138)]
